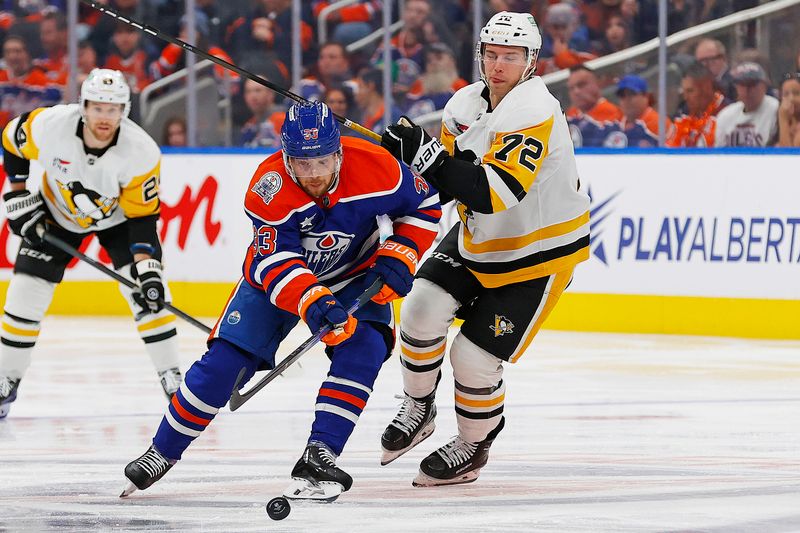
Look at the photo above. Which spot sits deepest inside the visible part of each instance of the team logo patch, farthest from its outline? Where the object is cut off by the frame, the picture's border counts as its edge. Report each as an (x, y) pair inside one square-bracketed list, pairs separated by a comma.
[(324, 250), (268, 186), (234, 317), (502, 325), (310, 133)]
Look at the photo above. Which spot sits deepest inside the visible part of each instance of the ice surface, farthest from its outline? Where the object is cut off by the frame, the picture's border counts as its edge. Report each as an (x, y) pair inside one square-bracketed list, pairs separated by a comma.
[(604, 433)]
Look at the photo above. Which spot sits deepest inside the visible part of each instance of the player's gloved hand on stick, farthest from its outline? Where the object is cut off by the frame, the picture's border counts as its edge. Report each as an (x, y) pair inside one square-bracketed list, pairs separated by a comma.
[(148, 274), (319, 307), (25, 212), (395, 265), (413, 146)]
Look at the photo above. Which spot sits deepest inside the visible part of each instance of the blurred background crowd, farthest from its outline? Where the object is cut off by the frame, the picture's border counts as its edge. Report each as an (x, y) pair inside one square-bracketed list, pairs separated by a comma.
[(732, 77)]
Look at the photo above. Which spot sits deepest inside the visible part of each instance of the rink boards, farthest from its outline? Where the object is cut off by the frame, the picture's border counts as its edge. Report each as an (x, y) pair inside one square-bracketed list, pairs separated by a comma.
[(682, 242)]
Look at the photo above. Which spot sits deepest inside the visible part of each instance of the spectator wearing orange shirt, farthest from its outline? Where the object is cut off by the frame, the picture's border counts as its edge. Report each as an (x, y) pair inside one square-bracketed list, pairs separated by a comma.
[(128, 57), (23, 87), (352, 22), (696, 122), (639, 119), (173, 57), (53, 36), (593, 120)]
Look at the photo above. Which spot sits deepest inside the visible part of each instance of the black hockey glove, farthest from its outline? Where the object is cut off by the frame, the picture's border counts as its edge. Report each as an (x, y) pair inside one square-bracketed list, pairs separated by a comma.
[(25, 212), (412, 145), (148, 276)]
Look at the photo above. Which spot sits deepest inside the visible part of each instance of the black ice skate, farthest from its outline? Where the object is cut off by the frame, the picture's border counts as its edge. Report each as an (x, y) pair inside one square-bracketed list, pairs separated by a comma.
[(171, 380), (146, 470), (316, 476), (412, 425), (456, 462), (8, 393)]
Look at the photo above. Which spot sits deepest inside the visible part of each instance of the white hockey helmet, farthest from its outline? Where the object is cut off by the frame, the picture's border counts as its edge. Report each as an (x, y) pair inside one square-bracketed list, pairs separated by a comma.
[(107, 86), (511, 29)]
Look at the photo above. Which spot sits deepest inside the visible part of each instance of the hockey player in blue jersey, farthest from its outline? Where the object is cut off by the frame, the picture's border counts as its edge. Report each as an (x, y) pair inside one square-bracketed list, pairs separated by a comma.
[(316, 247)]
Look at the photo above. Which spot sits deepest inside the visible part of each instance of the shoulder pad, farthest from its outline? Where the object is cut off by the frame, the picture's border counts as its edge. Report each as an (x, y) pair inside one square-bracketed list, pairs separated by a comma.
[(272, 195)]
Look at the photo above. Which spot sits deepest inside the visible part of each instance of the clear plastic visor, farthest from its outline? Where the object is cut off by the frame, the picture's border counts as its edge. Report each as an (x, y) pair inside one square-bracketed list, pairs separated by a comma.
[(312, 167), (511, 57), (105, 111)]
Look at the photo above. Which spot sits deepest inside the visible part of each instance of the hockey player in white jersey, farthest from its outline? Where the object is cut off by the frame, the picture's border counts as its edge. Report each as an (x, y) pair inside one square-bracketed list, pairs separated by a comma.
[(509, 163), (101, 177)]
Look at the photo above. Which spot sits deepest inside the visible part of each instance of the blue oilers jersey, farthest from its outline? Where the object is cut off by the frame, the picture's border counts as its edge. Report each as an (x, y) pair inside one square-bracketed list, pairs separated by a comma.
[(300, 241)]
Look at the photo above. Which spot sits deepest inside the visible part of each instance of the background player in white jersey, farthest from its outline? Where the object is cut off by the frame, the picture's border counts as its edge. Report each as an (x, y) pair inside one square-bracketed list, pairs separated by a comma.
[(524, 225), (101, 176)]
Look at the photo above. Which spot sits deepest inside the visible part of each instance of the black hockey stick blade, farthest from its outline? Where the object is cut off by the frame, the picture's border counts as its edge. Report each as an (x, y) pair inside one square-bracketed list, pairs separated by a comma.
[(63, 246), (155, 32), (239, 398)]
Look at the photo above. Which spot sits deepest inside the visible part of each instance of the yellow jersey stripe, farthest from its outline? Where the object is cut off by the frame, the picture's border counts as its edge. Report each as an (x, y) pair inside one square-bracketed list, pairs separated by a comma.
[(18, 331), (448, 140), (156, 323), (516, 243), (521, 152), (421, 356), (541, 270), (140, 197), (480, 403)]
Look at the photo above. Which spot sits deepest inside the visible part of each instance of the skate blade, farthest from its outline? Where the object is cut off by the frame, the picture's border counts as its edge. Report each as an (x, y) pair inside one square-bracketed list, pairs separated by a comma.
[(129, 489), (424, 480), (388, 456), (303, 489)]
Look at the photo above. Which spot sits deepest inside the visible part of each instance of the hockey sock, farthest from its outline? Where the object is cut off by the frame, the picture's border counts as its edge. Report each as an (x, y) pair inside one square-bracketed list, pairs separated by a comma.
[(160, 338), (18, 339), (205, 389), (344, 393), (421, 361)]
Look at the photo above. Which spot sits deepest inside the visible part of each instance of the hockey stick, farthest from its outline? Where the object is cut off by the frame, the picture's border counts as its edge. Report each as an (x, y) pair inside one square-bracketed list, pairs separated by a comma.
[(238, 399), (155, 32), (64, 247)]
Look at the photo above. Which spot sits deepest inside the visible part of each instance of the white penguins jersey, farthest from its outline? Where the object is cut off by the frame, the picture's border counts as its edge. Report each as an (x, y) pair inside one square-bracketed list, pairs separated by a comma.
[(84, 192), (539, 223)]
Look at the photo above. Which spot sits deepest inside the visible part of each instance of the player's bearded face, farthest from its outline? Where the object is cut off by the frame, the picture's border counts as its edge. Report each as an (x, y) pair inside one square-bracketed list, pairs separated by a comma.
[(315, 174), (102, 119)]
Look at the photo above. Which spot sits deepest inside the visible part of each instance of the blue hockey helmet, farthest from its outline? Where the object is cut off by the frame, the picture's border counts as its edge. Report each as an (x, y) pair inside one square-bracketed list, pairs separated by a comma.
[(310, 131)]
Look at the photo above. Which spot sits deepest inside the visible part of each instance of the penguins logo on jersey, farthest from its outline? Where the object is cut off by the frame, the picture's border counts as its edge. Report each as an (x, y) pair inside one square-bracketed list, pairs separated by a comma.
[(83, 205), (324, 250), (502, 325)]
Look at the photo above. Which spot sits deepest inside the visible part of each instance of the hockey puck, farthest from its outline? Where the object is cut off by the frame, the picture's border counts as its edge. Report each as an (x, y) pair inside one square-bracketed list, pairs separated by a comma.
[(278, 508)]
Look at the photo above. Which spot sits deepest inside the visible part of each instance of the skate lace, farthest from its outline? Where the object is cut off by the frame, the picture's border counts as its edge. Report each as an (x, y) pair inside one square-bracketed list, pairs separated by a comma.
[(170, 379), (411, 414), (6, 385), (153, 462), (457, 451), (327, 456)]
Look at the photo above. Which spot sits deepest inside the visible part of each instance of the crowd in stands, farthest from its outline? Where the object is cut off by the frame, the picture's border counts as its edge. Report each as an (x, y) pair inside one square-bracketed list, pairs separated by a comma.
[(724, 101)]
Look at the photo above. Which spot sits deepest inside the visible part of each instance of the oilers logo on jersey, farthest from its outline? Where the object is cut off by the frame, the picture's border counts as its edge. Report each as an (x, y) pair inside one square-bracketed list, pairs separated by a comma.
[(323, 250)]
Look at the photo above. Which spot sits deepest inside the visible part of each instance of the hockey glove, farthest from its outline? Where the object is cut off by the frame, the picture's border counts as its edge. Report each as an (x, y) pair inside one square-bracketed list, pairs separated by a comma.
[(25, 212), (395, 265), (149, 277), (412, 145), (319, 307)]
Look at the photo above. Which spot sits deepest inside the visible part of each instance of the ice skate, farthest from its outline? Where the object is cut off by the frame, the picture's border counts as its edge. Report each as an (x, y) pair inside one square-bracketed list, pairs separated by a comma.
[(145, 471), (413, 424), (171, 380), (316, 476), (456, 462), (8, 393)]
